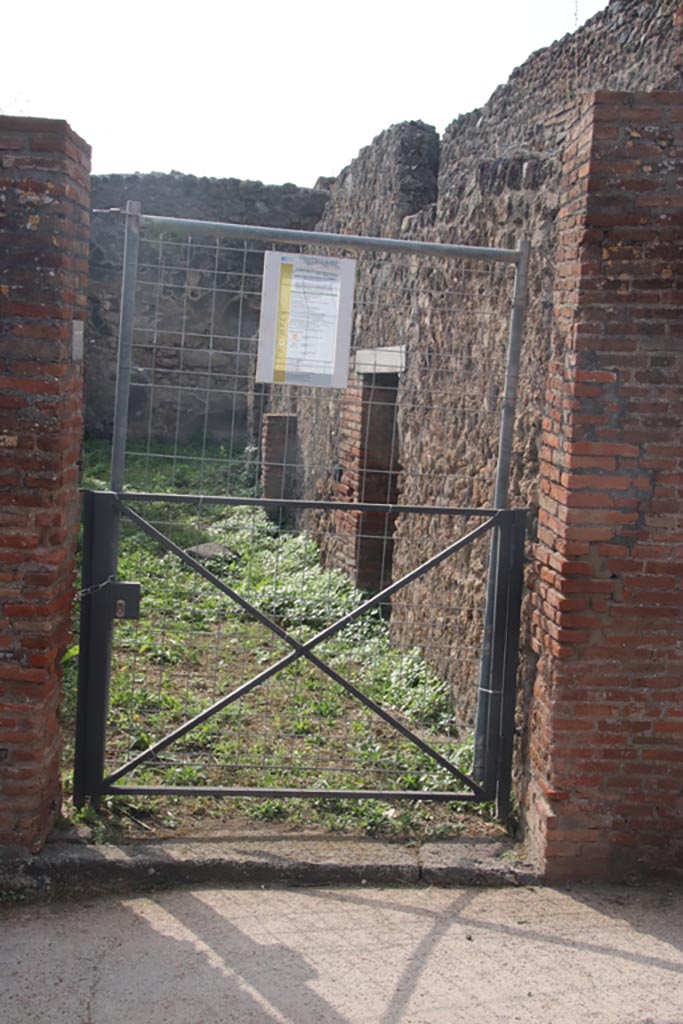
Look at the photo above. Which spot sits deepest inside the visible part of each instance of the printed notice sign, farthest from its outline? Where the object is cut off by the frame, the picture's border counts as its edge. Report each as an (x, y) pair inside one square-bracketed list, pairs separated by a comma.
[(306, 318)]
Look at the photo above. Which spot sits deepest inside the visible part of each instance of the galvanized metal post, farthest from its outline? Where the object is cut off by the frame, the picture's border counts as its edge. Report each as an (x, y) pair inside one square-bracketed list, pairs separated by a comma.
[(125, 354), (96, 631), (287, 236), (482, 756)]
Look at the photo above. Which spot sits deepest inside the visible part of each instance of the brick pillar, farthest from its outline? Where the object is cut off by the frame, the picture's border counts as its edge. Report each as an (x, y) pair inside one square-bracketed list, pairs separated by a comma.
[(368, 472), (44, 218), (606, 741), (279, 462)]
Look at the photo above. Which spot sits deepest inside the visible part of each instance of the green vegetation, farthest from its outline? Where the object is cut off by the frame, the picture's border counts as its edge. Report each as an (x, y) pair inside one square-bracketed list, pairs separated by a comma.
[(193, 645)]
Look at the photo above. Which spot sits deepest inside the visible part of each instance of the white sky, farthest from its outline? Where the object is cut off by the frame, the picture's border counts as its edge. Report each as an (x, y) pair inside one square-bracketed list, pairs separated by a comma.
[(276, 90)]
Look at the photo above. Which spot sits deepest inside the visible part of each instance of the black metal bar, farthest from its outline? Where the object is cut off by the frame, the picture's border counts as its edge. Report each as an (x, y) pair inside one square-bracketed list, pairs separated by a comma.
[(357, 506), (301, 650), (331, 794), (96, 630), (481, 728), (80, 772), (507, 721), (495, 679)]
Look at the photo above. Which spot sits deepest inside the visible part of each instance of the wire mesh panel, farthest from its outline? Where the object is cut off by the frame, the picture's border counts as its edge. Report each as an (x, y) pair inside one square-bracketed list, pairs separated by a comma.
[(304, 505)]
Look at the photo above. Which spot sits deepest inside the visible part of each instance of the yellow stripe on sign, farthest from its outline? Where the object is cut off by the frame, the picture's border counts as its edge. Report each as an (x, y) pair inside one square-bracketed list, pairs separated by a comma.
[(282, 334)]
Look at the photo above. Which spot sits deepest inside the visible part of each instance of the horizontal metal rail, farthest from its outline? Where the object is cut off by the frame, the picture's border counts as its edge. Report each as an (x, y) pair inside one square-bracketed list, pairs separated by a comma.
[(250, 232), (258, 233), (344, 506), (330, 794)]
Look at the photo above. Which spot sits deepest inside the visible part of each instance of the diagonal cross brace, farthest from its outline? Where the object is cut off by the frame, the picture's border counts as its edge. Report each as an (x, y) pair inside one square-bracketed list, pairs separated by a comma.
[(299, 649)]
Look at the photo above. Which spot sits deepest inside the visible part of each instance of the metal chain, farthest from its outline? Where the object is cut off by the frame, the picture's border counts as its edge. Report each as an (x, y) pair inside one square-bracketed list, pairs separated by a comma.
[(96, 586)]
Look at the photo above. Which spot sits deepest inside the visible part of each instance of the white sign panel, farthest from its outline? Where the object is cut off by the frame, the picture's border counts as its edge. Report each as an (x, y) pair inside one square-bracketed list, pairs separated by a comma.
[(306, 319)]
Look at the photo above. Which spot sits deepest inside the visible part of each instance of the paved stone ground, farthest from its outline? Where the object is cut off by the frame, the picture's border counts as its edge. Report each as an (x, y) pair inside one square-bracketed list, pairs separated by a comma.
[(408, 954)]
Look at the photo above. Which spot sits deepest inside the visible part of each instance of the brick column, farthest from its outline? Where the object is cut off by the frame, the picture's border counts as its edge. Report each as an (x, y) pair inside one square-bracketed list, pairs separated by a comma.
[(368, 472), (279, 442), (606, 736), (44, 219)]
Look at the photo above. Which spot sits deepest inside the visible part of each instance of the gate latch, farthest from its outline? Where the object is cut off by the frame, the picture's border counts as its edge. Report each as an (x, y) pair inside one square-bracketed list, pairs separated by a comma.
[(125, 599)]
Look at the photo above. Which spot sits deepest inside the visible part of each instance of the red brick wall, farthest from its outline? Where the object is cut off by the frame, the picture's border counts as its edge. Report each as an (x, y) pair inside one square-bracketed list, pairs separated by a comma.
[(606, 742), (44, 218)]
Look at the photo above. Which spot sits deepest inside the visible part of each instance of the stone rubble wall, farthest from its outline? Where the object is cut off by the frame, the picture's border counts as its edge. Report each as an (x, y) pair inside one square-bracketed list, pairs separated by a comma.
[(499, 180)]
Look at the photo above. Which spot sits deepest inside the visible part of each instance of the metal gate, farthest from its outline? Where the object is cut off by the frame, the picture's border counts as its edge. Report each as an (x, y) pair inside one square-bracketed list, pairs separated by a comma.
[(253, 657)]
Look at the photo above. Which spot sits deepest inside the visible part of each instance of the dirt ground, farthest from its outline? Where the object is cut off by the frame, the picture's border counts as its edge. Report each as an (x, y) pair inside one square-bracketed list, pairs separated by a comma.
[(210, 819)]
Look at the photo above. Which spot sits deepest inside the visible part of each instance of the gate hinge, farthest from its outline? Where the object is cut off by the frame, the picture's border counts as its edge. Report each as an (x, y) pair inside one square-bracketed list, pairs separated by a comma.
[(125, 600)]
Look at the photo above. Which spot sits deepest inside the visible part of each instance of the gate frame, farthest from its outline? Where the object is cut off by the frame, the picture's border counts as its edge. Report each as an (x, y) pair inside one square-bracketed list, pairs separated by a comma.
[(102, 603), (102, 517)]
